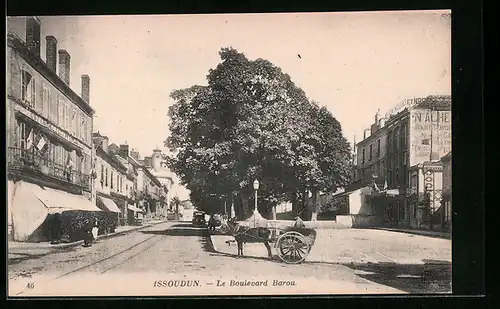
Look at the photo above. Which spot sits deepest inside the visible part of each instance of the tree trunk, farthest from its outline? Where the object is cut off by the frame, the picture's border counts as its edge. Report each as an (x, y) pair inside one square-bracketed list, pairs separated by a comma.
[(303, 210), (316, 202), (295, 208), (244, 202), (232, 209)]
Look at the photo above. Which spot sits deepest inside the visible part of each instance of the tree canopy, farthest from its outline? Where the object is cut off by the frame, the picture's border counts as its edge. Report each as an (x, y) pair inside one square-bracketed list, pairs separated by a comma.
[(252, 122)]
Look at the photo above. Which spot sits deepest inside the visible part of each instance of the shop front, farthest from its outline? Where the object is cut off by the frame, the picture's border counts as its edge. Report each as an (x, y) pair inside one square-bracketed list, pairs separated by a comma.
[(122, 203), (135, 215), (34, 207), (111, 213)]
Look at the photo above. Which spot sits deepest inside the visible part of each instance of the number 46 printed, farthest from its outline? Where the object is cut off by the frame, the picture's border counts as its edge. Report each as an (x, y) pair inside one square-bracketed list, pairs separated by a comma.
[(30, 285)]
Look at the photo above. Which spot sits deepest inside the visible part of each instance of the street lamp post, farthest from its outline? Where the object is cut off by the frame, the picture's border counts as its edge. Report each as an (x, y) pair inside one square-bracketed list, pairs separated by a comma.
[(256, 188)]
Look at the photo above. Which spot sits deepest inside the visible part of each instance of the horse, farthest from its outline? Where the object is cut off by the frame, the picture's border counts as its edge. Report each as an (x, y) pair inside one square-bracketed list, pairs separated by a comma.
[(243, 234), (214, 222)]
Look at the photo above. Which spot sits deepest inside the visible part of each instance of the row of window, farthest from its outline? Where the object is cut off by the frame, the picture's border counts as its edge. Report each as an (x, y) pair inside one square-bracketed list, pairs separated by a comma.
[(114, 182), (55, 107), (397, 138), (400, 159), (370, 152), (29, 138), (397, 177)]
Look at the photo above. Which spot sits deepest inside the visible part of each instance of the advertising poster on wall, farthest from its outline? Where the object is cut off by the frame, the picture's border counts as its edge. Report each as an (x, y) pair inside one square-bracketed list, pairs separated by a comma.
[(430, 134)]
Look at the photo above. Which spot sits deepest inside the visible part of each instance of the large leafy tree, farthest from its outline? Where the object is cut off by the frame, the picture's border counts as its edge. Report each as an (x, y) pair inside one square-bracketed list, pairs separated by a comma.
[(251, 121)]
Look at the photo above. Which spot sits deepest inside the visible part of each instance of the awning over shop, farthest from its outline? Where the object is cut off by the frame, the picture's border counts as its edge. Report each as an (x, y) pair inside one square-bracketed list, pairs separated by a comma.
[(134, 209), (58, 201), (110, 204), (31, 204)]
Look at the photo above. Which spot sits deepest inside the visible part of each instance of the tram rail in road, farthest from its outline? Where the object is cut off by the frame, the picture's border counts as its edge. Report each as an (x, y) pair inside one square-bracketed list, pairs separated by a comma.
[(108, 263)]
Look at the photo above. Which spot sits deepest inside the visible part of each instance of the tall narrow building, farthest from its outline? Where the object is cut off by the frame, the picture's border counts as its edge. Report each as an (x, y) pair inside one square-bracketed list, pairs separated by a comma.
[(49, 140)]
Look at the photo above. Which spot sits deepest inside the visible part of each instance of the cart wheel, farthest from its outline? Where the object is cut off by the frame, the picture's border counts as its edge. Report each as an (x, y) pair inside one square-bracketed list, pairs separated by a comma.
[(292, 248)]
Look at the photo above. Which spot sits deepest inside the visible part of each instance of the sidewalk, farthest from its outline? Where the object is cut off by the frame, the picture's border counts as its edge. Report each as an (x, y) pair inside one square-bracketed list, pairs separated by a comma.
[(16, 246), (417, 232)]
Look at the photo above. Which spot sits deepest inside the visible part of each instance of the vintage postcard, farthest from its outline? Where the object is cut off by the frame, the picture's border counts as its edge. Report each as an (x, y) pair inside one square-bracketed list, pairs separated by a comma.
[(229, 154)]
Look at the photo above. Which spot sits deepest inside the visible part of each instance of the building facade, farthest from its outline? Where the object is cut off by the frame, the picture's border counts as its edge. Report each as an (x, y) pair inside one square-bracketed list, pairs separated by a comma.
[(158, 168), (114, 183), (417, 134), (149, 190), (447, 192), (371, 155), (49, 127)]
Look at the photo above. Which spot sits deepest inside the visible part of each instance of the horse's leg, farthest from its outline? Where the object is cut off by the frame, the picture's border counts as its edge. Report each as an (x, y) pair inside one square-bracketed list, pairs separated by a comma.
[(240, 247), (268, 247)]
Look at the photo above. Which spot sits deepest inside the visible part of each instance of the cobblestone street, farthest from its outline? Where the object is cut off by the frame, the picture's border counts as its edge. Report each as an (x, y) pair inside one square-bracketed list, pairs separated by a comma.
[(173, 250)]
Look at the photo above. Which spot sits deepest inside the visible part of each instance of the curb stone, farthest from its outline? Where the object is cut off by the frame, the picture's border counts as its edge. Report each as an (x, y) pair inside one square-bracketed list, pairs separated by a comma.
[(106, 236), (419, 233)]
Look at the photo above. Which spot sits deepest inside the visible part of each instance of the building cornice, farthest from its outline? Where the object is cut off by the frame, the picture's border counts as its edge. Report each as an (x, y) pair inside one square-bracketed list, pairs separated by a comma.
[(376, 135), (112, 161), (41, 67), (64, 136)]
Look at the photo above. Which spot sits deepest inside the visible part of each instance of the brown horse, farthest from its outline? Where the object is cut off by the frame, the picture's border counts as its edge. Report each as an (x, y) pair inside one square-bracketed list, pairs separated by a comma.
[(243, 234)]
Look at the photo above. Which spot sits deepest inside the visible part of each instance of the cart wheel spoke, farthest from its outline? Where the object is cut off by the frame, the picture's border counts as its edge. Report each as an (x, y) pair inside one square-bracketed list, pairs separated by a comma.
[(301, 250), (293, 247)]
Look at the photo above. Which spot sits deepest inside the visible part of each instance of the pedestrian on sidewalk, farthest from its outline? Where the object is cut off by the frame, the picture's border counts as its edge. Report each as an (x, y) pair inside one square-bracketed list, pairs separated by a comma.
[(87, 237), (56, 228), (95, 230)]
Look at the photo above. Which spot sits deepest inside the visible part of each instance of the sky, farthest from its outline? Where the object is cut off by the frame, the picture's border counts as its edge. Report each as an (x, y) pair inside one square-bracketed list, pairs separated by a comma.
[(352, 63)]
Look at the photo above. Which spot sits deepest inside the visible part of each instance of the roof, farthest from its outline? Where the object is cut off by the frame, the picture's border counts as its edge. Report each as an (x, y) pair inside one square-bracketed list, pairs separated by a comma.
[(16, 43), (111, 159), (160, 172)]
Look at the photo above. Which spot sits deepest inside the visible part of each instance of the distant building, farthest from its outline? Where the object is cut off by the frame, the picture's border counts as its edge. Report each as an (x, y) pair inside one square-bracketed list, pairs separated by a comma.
[(149, 188), (158, 168), (49, 139), (122, 153)]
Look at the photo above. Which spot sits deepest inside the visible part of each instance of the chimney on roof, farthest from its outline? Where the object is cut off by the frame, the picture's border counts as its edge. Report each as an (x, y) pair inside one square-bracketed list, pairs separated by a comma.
[(51, 52), (33, 34), (366, 133), (148, 161), (124, 151), (64, 65), (86, 88), (134, 154), (105, 143)]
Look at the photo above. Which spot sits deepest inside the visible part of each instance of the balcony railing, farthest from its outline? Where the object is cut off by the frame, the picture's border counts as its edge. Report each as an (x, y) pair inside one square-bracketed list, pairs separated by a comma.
[(27, 159)]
